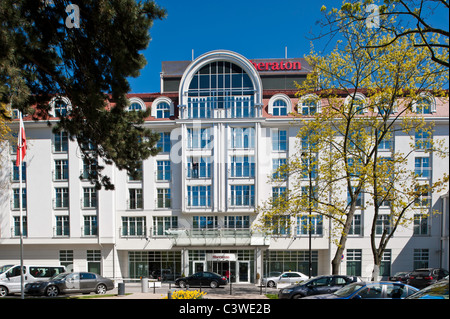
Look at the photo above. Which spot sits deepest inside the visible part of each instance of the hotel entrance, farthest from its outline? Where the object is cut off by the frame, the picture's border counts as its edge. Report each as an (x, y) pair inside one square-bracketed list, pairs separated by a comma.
[(235, 265)]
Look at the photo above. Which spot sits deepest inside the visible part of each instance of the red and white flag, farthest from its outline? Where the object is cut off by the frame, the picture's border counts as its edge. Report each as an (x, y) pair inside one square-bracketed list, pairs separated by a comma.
[(21, 144)]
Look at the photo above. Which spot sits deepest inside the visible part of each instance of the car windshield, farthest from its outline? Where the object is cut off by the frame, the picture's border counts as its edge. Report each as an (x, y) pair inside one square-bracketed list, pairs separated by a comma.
[(348, 290), (436, 291), (61, 276), (5, 268)]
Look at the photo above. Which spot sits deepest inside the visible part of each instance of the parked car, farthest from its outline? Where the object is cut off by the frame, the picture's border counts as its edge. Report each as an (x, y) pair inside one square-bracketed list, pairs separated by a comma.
[(289, 277), (10, 279), (202, 278), (70, 282), (401, 276), (316, 286), (423, 277), (370, 290), (438, 290)]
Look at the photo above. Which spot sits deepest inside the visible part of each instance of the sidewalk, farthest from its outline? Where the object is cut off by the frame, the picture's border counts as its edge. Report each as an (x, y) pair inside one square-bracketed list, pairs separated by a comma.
[(248, 291)]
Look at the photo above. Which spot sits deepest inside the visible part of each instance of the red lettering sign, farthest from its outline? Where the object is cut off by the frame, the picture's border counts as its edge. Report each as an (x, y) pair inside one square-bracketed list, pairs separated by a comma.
[(277, 66)]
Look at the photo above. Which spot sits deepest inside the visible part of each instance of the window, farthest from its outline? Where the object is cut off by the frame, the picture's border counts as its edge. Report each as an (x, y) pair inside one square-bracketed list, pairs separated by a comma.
[(242, 166), (15, 172), (94, 259), (382, 223), (60, 142), (16, 198), (199, 196), (199, 167), (89, 197), (135, 199), (280, 225), (164, 142), (163, 170), (204, 222), (423, 105), (61, 170), (386, 143), (279, 140), (422, 167), (139, 172), (354, 257), (162, 110), (162, 224), (313, 224), (279, 108), (359, 199), (62, 226), (423, 139), (136, 104), (89, 168), (62, 197), (309, 166), (243, 195), (237, 222), (199, 138), (90, 226), (220, 85), (163, 198), (60, 106), (279, 168), (420, 224), (356, 103), (133, 226), (308, 106), (423, 196), (278, 195), (17, 226), (385, 266), (421, 258), (66, 258), (355, 228), (242, 137)]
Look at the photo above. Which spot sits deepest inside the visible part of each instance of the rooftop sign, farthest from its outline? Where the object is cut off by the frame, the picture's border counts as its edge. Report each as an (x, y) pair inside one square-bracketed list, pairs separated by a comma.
[(277, 66)]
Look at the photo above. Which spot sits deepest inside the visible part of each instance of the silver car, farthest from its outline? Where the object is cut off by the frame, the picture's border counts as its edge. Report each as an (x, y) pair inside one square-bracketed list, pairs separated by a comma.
[(289, 277), (70, 282)]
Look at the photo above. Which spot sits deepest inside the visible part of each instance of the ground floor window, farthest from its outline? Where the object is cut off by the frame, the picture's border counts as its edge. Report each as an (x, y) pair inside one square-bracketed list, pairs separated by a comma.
[(354, 257), (277, 262), (163, 265), (94, 259)]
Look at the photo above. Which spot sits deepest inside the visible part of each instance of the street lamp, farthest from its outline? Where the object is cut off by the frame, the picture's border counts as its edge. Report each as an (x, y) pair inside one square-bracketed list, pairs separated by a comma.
[(308, 157)]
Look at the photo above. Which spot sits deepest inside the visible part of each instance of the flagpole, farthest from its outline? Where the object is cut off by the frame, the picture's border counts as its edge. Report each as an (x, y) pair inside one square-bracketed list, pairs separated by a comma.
[(20, 146)]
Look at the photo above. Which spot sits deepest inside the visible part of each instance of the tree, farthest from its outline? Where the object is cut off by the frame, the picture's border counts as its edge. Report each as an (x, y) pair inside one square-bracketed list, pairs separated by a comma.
[(414, 20), (364, 96), (83, 51)]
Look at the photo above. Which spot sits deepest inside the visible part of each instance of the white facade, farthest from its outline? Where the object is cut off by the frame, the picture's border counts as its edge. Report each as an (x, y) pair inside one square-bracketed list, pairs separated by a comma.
[(195, 204)]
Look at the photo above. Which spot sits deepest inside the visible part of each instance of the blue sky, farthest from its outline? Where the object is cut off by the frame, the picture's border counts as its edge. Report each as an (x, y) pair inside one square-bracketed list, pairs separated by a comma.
[(255, 29)]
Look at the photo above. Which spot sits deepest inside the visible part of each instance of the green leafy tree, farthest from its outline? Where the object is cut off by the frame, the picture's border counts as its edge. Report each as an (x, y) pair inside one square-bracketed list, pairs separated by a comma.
[(337, 169), (84, 51)]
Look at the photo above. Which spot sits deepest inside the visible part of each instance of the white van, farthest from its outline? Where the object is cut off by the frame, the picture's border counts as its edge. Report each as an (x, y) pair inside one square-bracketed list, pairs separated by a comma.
[(10, 279)]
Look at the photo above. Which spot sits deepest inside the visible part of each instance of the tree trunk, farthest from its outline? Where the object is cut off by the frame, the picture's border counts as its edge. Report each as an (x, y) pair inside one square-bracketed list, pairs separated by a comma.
[(376, 272)]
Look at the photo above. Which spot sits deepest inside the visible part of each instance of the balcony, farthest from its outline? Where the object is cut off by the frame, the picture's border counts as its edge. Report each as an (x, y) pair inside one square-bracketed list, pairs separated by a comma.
[(216, 237)]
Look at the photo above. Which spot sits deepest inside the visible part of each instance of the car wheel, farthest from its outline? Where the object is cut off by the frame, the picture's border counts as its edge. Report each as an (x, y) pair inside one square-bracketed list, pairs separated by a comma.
[(3, 291), (101, 289), (298, 296), (271, 284), (213, 284), (182, 284), (52, 291)]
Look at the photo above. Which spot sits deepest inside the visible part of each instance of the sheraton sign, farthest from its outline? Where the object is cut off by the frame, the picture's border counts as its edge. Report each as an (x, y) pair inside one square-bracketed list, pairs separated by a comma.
[(277, 66)]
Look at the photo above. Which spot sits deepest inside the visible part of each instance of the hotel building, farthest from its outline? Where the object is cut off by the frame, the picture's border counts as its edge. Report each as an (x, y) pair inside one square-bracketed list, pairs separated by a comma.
[(224, 128)]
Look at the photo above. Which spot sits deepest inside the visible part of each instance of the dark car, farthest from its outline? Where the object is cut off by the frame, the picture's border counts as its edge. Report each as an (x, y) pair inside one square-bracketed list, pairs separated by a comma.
[(316, 286), (203, 278), (424, 277), (370, 290), (438, 290), (70, 282), (401, 276)]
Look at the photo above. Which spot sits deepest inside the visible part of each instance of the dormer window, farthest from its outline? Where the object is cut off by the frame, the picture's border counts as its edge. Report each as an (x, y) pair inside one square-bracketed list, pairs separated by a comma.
[(136, 104), (60, 106), (280, 105), (162, 108), (425, 104), (309, 105)]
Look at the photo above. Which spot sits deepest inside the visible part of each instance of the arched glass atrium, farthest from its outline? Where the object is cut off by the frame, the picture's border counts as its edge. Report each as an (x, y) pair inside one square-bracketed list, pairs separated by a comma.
[(222, 87)]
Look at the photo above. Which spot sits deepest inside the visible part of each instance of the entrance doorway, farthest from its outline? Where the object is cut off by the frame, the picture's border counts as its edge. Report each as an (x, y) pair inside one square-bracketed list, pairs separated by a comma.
[(199, 266), (222, 267), (244, 272)]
